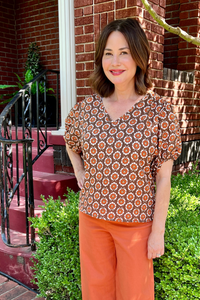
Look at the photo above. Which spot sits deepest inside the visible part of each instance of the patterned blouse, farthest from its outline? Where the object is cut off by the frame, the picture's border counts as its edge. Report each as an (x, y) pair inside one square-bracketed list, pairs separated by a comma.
[(122, 157)]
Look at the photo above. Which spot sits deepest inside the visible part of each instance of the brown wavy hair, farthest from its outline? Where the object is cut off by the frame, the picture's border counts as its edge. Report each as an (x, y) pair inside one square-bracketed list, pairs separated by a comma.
[(140, 51)]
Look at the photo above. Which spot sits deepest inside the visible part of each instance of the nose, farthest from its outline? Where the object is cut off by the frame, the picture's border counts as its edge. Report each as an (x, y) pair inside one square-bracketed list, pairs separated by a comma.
[(115, 60)]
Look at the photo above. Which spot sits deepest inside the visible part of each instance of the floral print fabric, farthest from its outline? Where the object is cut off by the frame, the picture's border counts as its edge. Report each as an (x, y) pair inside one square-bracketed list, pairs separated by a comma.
[(122, 157)]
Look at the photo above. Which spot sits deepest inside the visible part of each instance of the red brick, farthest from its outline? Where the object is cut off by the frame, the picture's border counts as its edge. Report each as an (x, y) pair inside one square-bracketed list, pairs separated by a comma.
[(163, 3), (110, 16), (192, 59), (78, 3), (88, 10), (89, 47), (79, 48), (155, 1), (120, 4), (67, 170), (84, 91), (3, 279), (181, 60), (80, 39), (58, 168), (79, 30), (89, 66), (7, 286), (78, 12), (80, 83), (19, 291), (96, 26), (194, 14), (131, 3), (103, 18), (28, 296), (105, 7), (130, 12), (188, 22), (89, 28), (183, 14), (80, 67), (84, 21), (100, 1), (190, 6), (83, 74), (160, 56), (193, 29)]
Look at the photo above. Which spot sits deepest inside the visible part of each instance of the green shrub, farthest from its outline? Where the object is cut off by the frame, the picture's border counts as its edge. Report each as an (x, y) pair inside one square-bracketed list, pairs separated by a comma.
[(177, 273), (57, 272)]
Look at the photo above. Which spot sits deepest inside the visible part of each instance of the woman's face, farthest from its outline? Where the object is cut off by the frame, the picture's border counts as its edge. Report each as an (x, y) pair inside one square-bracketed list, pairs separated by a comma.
[(117, 62)]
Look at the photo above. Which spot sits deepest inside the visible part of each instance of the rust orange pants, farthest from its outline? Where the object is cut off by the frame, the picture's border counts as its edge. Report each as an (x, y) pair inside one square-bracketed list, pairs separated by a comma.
[(114, 263)]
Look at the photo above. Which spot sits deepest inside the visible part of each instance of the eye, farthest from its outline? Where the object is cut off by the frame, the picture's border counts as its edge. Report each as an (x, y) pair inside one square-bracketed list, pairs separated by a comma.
[(107, 53), (124, 52)]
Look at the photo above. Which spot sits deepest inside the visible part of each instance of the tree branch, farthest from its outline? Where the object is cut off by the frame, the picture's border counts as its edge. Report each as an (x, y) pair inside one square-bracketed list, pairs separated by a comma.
[(176, 30)]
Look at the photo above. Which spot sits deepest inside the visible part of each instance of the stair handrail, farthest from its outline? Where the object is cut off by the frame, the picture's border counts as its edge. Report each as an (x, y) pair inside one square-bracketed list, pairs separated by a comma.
[(7, 187)]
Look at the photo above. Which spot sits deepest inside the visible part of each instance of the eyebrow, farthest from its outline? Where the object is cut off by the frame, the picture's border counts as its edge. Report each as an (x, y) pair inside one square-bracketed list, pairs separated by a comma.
[(107, 49)]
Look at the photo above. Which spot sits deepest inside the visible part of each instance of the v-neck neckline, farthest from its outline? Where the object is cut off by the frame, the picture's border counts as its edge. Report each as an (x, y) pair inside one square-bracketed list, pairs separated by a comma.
[(126, 113)]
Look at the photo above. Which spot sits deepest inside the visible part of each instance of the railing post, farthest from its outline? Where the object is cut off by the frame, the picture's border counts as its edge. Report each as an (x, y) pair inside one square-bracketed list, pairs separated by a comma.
[(31, 193)]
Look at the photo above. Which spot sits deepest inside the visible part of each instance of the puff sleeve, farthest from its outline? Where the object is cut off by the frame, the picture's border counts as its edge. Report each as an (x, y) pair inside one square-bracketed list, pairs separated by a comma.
[(169, 136), (72, 135)]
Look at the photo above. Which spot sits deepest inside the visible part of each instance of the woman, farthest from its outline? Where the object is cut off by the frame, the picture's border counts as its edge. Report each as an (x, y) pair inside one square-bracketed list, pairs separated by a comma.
[(128, 137)]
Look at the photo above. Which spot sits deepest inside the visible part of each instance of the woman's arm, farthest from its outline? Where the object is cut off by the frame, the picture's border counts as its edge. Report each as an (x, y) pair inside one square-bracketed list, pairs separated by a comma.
[(163, 186), (78, 167)]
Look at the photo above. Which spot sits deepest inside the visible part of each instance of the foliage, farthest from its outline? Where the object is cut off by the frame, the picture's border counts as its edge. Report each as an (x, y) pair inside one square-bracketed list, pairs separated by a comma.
[(177, 273), (9, 96), (41, 86), (33, 60), (58, 268), (33, 68)]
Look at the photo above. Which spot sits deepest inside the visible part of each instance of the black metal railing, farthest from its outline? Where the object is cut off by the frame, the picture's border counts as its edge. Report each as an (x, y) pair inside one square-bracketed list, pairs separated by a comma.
[(21, 114)]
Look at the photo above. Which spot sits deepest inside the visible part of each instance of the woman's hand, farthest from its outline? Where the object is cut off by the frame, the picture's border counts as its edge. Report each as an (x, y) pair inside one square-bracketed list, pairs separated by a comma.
[(156, 246), (80, 177), (78, 166)]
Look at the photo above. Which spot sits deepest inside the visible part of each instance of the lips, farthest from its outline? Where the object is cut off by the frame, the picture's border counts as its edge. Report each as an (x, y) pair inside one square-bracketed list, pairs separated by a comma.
[(116, 72)]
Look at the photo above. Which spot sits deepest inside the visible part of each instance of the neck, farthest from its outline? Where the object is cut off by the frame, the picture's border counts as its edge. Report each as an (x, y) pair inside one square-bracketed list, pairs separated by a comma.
[(120, 95)]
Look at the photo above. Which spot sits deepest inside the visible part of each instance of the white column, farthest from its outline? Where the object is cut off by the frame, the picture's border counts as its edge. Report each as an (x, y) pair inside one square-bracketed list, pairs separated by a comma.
[(67, 60)]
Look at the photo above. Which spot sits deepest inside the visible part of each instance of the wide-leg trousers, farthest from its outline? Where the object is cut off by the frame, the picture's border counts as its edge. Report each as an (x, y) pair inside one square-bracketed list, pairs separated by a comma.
[(114, 263)]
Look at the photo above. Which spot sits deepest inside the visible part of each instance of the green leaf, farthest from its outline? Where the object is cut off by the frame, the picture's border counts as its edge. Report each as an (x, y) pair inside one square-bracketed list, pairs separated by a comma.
[(6, 86)]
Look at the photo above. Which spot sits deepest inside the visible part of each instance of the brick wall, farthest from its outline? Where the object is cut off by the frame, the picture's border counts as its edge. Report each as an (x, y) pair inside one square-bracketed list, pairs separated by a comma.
[(8, 56), (37, 21), (171, 40)]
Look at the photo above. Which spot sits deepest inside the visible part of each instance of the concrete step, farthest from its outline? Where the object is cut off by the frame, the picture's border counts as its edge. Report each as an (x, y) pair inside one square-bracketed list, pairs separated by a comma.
[(17, 214), (48, 184), (44, 162), (16, 262)]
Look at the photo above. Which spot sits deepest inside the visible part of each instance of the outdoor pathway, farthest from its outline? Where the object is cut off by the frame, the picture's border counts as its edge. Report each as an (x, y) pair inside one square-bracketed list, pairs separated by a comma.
[(10, 290)]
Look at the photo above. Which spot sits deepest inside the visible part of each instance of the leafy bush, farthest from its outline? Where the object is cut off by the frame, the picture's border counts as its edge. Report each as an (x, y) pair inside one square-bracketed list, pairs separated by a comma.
[(57, 272), (177, 273), (33, 60)]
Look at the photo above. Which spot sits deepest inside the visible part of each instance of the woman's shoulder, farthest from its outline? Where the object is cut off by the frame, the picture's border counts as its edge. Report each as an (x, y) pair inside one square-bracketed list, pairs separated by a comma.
[(90, 101), (157, 101)]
